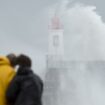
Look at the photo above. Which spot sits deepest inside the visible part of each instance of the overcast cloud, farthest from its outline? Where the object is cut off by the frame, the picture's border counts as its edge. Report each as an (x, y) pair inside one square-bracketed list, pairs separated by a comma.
[(24, 28)]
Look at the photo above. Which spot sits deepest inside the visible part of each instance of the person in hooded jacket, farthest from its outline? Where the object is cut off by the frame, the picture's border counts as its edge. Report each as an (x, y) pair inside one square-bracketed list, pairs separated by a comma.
[(7, 72), (26, 87)]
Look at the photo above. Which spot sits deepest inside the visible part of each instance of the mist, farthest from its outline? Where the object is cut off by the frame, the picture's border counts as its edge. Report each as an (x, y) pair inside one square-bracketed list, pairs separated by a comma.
[(84, 35)]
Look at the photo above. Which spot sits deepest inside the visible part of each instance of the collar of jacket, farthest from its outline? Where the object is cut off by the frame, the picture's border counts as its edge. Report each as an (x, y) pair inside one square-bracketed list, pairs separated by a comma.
[(24, 71), (4, 60)]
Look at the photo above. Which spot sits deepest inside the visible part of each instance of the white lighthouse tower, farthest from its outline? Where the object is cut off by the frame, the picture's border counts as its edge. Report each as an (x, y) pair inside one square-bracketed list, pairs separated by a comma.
[(56, 47), (54, 63)]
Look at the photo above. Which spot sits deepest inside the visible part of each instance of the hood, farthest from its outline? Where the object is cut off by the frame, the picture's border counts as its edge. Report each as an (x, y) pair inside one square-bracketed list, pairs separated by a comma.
[(4, 60)]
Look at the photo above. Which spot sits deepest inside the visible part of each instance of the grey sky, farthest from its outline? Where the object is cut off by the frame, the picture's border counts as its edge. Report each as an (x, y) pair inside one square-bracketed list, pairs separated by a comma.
[(24, 25), (24, 18)]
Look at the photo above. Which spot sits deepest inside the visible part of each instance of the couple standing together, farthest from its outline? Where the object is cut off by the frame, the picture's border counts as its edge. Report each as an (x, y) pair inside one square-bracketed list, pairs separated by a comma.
[(22, 87)]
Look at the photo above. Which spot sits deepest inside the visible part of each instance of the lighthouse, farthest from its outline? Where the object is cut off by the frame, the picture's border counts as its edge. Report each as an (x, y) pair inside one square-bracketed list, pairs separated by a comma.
[(56, 45), (54, 63)]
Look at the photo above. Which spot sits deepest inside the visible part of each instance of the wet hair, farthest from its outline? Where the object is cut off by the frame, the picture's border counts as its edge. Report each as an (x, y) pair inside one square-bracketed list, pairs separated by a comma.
[(12, 58), (21, 60), (24, 61)]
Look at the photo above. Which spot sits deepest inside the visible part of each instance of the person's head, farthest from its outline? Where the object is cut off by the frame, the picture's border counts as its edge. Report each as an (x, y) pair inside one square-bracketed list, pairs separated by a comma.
[(24, 61), (13, 59)]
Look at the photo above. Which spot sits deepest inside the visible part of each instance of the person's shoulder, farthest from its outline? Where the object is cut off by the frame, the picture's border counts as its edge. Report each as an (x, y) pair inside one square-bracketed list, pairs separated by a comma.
[(37, 81), (37, 76)]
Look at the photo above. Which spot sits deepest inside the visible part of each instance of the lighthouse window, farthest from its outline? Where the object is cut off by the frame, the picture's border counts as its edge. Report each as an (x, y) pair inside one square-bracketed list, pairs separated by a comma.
[(56, 40)]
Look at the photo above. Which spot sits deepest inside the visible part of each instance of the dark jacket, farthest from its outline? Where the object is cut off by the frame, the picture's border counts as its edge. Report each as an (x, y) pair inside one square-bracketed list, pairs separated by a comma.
[(25, 89)]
